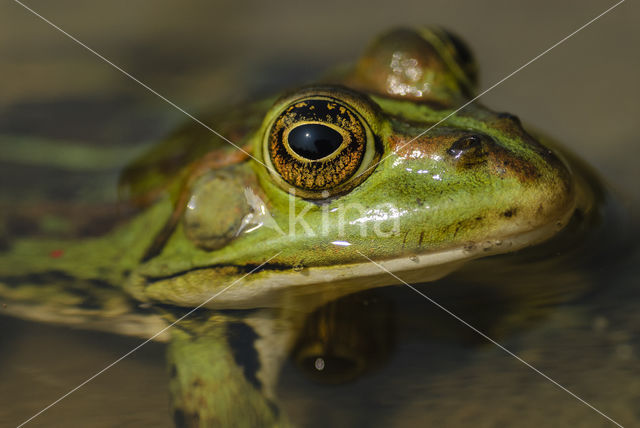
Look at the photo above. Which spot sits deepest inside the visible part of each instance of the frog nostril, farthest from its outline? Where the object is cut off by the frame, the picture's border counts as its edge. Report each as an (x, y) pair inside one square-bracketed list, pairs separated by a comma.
[(469, 150), (465, 145)]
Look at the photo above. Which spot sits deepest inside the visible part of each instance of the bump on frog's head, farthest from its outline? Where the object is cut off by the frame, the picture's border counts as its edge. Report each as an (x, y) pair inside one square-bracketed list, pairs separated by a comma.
[(428, 64)]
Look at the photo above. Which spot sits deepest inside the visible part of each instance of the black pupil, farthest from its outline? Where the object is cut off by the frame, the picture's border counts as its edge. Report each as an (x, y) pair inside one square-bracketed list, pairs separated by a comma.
[(314, 141)]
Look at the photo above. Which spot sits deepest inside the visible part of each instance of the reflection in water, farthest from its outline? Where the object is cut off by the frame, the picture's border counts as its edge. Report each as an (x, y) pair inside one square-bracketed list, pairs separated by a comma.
[(346, 338)]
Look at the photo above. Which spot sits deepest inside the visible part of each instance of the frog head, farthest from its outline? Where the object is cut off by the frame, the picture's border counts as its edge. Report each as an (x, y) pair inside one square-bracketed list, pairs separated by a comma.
[(379, 164)]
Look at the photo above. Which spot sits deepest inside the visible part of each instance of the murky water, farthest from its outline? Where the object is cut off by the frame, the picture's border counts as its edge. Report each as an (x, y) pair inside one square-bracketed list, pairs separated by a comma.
[(392, 357)]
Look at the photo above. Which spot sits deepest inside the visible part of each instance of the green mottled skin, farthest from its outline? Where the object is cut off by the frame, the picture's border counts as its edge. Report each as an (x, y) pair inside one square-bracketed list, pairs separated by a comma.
[(515, 185), (208, 386)]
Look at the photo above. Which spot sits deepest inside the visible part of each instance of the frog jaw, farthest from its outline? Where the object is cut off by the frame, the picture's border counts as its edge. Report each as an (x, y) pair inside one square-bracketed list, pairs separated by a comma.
[(309, 286)]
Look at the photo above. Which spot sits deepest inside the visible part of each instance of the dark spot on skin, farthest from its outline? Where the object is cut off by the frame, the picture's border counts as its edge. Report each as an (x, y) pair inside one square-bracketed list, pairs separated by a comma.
[(21, 225), (183, 420), (274, 408), (510, 213), (173, 371), (197, 383), (419, 201), (178, 418), (479, 218), (503, 162), (420, 239), (241, 339), (90, 302)]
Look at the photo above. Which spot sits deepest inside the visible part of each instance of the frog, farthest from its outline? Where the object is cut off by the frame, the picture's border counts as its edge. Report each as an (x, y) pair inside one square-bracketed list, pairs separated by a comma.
[(382, 173)]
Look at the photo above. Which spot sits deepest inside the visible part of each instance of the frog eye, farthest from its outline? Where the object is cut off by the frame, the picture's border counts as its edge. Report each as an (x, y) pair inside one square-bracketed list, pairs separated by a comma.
[(319, 146)]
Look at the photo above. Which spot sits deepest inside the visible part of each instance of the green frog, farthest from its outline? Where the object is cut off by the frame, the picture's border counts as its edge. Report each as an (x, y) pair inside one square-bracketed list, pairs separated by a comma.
[(381, 171)]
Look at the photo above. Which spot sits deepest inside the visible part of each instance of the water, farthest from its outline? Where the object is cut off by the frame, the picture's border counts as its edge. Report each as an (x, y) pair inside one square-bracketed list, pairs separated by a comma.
[(418, 364), (413, 364)]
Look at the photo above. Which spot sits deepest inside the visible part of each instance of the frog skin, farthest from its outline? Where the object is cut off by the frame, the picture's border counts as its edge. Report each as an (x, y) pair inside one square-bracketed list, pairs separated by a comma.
[(217, 221)]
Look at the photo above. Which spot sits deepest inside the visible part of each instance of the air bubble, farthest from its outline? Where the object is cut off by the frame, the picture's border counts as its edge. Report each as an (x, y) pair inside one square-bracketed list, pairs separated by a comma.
[(319, 364)]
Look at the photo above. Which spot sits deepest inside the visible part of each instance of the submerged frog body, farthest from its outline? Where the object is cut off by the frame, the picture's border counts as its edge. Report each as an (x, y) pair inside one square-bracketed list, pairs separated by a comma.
[(329, 188)]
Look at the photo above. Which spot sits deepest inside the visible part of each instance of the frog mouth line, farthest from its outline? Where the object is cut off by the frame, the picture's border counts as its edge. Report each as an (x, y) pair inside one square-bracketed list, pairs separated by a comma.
[(468, 251)]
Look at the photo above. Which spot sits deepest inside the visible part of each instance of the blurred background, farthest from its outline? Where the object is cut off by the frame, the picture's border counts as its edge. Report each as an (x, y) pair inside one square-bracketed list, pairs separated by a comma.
[(201, 54)]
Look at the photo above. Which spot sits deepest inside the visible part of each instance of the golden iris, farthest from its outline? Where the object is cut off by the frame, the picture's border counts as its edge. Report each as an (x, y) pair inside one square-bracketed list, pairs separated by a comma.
[(317, 145)]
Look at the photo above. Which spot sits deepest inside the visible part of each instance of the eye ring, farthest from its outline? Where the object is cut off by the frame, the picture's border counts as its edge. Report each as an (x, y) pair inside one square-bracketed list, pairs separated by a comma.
[(318, 145)]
